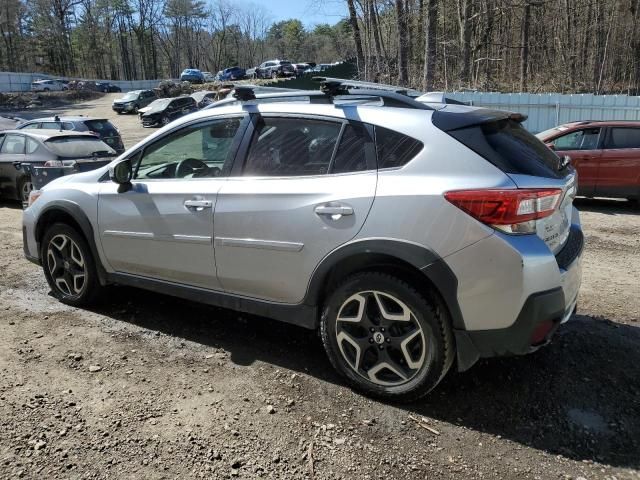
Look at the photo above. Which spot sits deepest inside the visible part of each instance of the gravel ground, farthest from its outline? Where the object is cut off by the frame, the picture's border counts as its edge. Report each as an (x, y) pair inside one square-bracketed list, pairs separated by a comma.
[(147, 386)]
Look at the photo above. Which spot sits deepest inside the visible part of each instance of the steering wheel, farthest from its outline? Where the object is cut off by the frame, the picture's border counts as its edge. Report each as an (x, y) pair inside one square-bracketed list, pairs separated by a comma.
[(190, 165)]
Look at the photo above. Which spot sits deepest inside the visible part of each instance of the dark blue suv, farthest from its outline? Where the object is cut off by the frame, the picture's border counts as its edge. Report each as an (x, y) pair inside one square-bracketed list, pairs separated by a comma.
[(233, 73)]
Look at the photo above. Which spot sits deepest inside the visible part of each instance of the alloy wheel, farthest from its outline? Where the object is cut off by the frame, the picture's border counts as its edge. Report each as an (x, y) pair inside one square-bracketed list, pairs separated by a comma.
[(26, 190), (380, 338), (66, 265)]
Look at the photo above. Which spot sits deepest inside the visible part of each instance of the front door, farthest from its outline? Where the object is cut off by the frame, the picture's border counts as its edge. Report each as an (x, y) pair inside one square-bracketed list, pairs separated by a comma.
[(293, 202), (619, 165), (162, 227)]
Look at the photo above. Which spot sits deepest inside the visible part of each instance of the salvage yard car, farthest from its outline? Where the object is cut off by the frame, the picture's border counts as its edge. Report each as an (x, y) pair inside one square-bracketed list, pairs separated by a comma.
[(38, 147), (351, 221), (165, 110), (133, 101), (192, 75), (47, 86), (606, 155), (101, 127)]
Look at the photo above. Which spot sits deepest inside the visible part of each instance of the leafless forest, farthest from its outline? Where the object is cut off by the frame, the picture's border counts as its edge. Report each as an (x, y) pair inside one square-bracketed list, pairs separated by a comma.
[(509, 45)]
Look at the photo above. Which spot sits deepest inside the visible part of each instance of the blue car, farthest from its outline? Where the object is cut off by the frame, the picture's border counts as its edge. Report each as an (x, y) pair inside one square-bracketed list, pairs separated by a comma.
[(192, 75), (232, 73)]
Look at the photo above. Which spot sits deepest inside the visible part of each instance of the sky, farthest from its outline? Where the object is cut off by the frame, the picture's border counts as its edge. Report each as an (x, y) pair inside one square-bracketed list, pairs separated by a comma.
[(309, 12)]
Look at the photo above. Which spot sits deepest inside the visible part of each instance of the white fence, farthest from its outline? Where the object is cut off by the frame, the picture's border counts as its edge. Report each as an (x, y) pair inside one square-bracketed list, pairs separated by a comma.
[(546, 110), (21, 82)]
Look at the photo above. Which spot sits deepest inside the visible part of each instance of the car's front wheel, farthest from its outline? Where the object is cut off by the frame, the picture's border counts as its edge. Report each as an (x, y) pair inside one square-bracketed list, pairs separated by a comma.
[(24, 189), (69, 266), (387, 339)]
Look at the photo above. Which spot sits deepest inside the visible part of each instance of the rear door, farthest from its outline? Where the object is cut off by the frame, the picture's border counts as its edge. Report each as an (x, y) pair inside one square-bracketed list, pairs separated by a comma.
[(162, 227), (12, 151), (291, 202), (619, 165), (584, 146)]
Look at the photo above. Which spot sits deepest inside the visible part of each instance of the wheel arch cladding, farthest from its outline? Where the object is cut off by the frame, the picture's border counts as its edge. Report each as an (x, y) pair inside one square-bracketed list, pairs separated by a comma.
[(63, 211), (426, 271)]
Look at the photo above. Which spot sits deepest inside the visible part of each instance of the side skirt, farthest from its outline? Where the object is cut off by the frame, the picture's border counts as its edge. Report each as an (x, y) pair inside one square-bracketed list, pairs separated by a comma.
[(301, 315)]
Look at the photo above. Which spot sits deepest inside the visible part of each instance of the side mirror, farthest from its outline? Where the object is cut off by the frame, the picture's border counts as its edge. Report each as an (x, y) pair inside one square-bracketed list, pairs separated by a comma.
[(551, 146), (121, 172)]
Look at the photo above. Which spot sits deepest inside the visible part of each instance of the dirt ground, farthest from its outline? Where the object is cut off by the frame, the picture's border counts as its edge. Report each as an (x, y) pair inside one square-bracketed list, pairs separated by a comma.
[(151, 387)]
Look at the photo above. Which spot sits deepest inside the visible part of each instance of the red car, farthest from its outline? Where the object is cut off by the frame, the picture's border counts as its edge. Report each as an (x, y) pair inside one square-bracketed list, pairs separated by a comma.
[(606, 155)]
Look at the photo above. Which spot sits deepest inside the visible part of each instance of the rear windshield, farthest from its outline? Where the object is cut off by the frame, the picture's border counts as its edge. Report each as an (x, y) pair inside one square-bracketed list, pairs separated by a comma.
[(79, 147), (104, 128), (510, 147)]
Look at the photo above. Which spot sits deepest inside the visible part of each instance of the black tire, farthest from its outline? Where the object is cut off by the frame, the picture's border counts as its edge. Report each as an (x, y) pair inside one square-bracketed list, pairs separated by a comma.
[(165, 121), (135, 109), (274, 75), (427, 313), (90, 289)]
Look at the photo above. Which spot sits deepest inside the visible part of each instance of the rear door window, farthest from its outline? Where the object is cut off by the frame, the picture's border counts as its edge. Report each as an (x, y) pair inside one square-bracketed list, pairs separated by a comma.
[(395, 149), (13, 144), (283, 147), (623, 137), (352, 151), (586, 139)]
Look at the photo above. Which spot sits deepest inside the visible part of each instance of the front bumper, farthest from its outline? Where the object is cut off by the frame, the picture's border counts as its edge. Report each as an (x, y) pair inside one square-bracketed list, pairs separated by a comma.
[(122, 107), (29, 243), (542, 311)]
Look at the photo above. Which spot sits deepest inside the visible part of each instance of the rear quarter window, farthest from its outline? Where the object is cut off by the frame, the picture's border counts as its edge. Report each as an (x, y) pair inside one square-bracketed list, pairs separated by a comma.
[(395, 149)]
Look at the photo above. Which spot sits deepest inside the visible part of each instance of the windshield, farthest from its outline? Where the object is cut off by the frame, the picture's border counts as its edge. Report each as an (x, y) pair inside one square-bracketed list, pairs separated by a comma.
[(131, 95), (158, 105), (550, 132), (78, 147)]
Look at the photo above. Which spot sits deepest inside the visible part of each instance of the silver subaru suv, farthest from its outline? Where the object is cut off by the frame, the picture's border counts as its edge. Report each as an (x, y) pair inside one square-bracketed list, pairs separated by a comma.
[(412, 235)]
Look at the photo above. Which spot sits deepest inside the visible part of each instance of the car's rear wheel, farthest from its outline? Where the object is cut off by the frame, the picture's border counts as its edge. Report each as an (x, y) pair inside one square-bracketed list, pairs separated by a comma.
[(69, 266), (387, 339)]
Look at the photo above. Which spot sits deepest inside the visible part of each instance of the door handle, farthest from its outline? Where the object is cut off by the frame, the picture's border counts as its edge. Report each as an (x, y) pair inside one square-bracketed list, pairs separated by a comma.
[(198, 205), (332, 210)]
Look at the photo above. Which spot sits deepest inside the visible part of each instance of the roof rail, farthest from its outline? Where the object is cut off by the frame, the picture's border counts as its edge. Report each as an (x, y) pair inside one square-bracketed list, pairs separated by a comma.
[(330, 89), (391, 95)]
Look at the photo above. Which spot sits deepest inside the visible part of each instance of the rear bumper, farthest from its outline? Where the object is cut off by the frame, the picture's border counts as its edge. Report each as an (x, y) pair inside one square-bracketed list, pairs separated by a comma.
[(540, 313)]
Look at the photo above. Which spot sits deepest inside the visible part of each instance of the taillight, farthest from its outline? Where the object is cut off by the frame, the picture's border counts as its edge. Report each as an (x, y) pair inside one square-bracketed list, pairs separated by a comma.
[(512, 211)]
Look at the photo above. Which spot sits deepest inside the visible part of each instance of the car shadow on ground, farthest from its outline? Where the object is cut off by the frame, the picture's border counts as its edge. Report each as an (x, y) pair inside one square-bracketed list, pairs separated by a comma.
[(11, 204), (608, 206), (579, 397)]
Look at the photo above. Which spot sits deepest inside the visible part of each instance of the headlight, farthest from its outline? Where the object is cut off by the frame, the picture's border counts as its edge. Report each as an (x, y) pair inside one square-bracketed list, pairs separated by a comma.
[(33, 196)]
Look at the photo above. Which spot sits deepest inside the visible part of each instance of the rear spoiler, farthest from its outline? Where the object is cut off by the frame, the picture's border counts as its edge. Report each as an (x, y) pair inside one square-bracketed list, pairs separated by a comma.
[(448, 120)]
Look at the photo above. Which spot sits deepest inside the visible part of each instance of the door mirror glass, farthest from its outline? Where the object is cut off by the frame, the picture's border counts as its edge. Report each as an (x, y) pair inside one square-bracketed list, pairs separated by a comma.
[(121, 172)]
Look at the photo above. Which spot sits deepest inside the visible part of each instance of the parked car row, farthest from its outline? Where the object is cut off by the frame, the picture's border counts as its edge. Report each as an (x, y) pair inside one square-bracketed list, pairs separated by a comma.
[(269, 69)]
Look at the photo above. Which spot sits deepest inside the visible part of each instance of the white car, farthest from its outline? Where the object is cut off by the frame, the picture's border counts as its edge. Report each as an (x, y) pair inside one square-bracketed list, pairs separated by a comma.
[(47, 86), (209, 77)]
